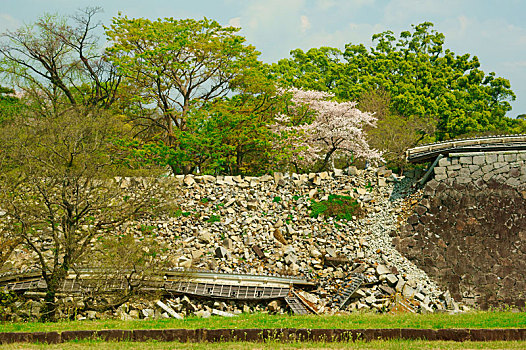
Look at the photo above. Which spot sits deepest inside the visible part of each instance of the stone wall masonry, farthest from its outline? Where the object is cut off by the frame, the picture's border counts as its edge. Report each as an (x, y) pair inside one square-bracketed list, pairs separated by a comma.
[(468, 228), (508, 167)]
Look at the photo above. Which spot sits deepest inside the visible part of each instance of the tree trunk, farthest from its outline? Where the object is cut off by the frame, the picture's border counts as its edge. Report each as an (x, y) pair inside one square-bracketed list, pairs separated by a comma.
[(55, 280), (49, 312), (325, 161)]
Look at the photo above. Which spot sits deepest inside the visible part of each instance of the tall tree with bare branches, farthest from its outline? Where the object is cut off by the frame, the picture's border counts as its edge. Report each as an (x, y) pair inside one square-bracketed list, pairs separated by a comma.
[(60, 56)]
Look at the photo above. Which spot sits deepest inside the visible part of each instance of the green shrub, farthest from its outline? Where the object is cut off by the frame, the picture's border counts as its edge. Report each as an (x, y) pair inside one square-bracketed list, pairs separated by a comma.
[(277, 199), (337, 206), (146, 229), (6, 300), (214, 218), (317, 208)]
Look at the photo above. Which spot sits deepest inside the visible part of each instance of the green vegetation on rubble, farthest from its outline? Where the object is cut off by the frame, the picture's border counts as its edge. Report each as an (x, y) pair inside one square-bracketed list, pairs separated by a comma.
[(337, 206), (353, 321), (214, 218)]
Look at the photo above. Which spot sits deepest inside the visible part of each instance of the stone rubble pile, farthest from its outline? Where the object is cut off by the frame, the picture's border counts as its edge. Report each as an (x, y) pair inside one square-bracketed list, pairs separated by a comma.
[(264, 225)]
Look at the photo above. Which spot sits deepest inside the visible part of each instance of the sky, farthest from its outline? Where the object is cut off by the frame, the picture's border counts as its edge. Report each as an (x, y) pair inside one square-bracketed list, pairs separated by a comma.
[(492, 30)]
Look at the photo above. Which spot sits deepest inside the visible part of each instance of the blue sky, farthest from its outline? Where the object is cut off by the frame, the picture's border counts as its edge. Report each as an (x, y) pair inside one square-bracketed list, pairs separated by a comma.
[(493, 30)]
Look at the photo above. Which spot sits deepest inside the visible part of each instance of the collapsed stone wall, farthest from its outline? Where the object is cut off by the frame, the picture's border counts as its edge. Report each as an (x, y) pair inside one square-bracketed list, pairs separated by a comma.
[(468, 229), (264, 225)]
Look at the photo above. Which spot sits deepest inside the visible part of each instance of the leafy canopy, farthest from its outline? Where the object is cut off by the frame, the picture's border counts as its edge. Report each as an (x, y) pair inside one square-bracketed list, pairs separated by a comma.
[(178, 68), (178, 64), (424, 80)]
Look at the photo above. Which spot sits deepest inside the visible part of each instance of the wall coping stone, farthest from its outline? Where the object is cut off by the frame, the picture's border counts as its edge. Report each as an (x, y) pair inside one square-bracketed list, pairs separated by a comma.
[(472, 154)]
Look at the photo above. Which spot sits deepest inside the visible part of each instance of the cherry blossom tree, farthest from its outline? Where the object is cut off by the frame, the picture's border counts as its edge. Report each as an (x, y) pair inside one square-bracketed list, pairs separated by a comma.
[(317, 130)]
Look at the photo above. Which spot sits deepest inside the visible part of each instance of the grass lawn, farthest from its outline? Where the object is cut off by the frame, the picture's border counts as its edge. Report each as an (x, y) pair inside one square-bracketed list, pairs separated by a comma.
[(352, 321), (393, 344)]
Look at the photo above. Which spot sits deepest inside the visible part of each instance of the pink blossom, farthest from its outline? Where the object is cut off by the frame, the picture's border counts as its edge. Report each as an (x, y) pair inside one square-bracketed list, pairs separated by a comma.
[(336, 129)]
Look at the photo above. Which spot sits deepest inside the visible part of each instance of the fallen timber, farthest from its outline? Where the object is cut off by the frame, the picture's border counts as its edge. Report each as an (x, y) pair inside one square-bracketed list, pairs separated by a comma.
[(431, 151), (232, 286), (199, 283)]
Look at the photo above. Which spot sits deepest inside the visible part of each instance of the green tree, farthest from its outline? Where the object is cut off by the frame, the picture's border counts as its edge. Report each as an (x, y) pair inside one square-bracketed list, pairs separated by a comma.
[(424, 80), (226, 136), (518, 125), (393, 134), (59, 192), (58, 188), (240, 126), (317, 69), (178, 66), (123, 266)]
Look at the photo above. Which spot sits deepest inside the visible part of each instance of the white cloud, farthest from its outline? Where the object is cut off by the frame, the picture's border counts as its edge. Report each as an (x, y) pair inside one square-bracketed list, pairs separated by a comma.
[(8, 22), (492, 38), (272, 12), (400, 12), (514, 65), (325, 4), (360, 3), (356, 33), (305, 23), (464, 23), (235, 22), (273, 25), (339, 6)]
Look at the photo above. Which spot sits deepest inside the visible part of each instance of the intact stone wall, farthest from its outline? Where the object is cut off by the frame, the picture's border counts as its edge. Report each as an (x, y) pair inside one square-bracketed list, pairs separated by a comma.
[(504, 167), (468, 230)]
